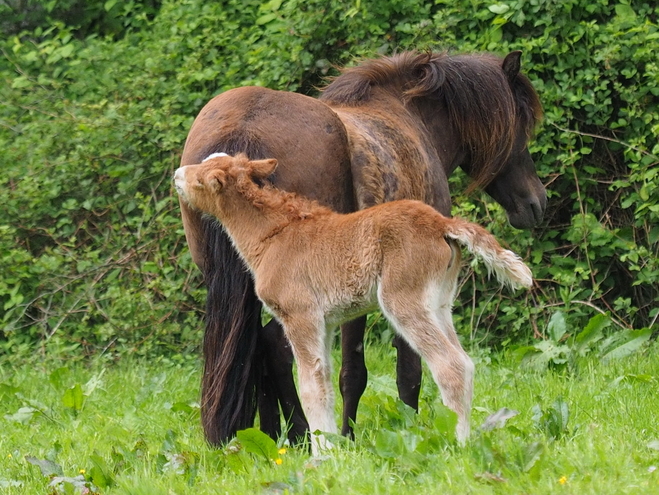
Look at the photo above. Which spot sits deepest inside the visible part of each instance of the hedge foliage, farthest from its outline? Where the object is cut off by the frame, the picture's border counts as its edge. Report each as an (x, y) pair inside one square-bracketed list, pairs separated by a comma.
[(95, 109)]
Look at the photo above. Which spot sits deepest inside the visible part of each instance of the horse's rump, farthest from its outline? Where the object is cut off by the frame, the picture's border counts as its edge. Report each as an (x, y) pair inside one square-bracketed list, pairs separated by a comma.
[(249, 120)]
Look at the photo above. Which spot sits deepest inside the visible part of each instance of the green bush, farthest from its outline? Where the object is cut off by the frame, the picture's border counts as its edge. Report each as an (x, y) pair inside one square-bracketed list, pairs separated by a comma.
[(93, 120)]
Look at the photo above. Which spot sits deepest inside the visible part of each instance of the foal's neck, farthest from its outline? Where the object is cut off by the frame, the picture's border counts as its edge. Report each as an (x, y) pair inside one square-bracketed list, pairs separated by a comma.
[(254, 216)]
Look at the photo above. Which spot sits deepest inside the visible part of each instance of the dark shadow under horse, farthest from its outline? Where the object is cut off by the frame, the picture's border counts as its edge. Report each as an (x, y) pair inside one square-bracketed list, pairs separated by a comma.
[(387, 129)]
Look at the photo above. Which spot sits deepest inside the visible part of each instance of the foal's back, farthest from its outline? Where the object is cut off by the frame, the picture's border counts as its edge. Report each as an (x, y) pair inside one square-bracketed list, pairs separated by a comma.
[(342, 258)]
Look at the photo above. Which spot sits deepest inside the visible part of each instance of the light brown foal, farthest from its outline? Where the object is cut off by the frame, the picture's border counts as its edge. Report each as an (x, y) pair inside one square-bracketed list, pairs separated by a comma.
[(314, 269)]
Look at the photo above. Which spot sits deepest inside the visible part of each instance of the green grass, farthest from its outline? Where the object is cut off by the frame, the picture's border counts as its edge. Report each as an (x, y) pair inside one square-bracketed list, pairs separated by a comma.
[(133, 427)]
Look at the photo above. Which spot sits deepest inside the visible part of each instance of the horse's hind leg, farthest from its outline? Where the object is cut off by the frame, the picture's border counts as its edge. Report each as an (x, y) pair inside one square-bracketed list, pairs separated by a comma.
[(279, 385), (268, 406), (408, 372), (353, 376)]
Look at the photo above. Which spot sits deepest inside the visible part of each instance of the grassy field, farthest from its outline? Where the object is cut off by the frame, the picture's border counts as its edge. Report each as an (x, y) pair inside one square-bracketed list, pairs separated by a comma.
[(133, 427)]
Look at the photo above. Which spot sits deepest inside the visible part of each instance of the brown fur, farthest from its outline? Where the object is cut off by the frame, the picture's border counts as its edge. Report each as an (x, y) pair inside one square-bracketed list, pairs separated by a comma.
[(314, 269)]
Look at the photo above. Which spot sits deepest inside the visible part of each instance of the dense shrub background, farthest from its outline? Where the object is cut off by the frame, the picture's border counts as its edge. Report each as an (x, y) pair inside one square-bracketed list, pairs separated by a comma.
[(96, 99)]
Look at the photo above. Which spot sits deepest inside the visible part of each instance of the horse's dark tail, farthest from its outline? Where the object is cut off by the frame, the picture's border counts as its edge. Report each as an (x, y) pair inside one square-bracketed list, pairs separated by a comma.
[(231, 369)]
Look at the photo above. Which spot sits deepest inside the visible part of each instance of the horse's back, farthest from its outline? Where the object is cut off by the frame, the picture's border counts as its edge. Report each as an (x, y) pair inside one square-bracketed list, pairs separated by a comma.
[(303, 134), (391, 155)]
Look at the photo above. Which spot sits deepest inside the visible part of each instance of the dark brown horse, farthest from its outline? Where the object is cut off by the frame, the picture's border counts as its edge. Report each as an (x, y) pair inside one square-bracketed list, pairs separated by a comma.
[(387, 129)]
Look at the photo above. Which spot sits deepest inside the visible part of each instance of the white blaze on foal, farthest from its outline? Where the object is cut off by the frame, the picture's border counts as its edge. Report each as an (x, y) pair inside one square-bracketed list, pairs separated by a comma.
[(314, 269), (214, 155)]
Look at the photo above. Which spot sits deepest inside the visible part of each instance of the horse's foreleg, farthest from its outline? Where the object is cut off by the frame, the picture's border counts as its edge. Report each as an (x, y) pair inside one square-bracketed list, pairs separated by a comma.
[(408, 372), (279, 370), (353, 376)]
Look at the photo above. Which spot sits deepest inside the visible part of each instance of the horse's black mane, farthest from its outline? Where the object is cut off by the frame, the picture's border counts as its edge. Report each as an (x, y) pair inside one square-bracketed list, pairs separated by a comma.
[(483, 105)]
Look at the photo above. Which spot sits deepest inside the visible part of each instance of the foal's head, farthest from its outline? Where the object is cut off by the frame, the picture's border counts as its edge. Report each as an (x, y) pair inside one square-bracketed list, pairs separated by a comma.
[(211, 184)]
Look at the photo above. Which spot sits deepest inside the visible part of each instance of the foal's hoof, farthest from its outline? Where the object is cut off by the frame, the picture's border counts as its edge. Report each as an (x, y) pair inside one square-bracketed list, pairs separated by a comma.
[(320, 444)]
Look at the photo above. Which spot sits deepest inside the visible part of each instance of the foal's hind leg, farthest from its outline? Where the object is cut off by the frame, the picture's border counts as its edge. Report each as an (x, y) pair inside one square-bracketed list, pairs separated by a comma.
[(353, 376), (415, 319)]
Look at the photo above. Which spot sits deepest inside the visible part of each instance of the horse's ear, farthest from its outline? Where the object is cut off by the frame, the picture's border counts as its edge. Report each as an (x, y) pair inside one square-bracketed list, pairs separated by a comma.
[(260, 169), (512, 65)]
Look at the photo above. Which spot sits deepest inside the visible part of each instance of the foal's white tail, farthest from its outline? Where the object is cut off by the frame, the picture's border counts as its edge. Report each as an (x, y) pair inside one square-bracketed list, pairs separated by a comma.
[(507, 266)]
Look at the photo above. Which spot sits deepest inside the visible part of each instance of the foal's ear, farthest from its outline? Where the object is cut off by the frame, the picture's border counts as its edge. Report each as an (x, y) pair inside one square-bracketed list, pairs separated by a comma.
[(511, 65), (260, 169), (216, 180)]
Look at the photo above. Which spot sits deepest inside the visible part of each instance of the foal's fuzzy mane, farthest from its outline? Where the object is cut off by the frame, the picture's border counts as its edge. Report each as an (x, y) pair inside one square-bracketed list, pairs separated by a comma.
[(485, 108), (269, 198)]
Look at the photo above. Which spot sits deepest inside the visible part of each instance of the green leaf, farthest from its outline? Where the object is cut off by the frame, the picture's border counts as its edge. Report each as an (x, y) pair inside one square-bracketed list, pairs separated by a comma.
[(100, 473), (591, 333), (445, 422), (625, 11), (258, 443), (557, 326), (533, 455), (21, 82), (73, 398), (389, 444), (182, 407), (59, 376), (67, 50), (264, 19), (499, 8), (24, 415), (553, 422), (632, 342), (7, 390), (48, 468)]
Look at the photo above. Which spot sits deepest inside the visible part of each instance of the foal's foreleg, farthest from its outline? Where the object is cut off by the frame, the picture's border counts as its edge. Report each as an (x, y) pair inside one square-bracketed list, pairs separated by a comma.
[(353, 376), (311, 347)]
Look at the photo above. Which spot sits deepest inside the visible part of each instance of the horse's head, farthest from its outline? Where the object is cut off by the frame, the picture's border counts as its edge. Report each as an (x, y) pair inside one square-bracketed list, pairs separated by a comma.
[(495, 153), (516, 186), (518, 189), (208, 185), (481, 112)]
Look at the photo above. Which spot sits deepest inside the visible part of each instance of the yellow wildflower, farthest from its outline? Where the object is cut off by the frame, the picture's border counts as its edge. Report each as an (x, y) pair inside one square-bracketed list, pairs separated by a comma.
[(82, 471), (279, 461), (282, 451), (562, 480)]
